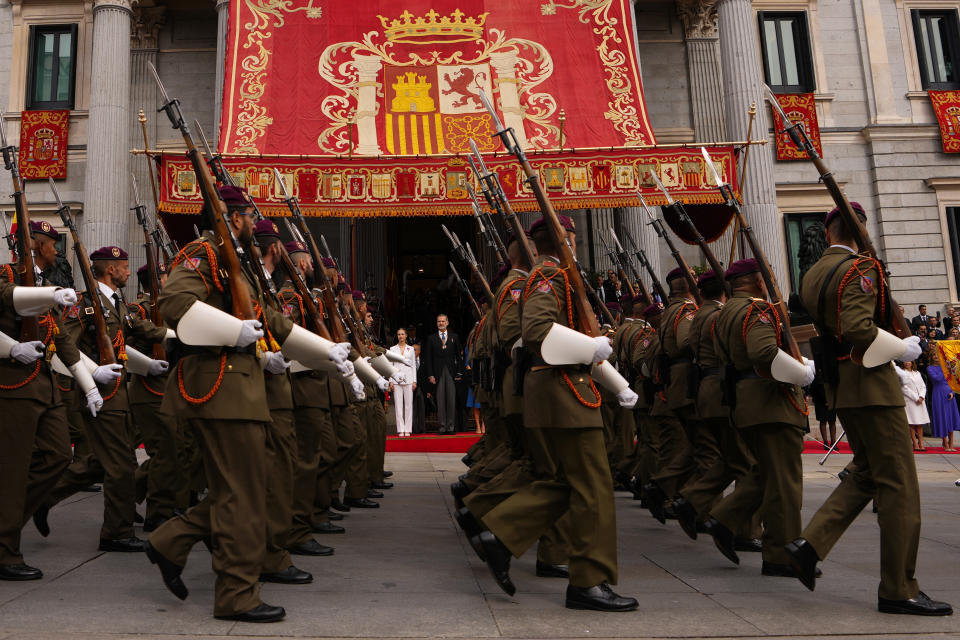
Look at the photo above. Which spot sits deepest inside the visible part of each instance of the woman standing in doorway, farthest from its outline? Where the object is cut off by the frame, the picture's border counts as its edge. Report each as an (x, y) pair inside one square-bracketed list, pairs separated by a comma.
[(403, 392)]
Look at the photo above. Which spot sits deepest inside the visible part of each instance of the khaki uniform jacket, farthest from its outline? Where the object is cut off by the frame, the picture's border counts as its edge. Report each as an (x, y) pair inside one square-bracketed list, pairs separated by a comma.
[(709, 393), (641, 347), (554, 397), (13, 375), (508, 328), (675, 341), (122, 324), (479, 347), (228, 381), (750, 345), (310, 388), (853, 317), (144, 389)]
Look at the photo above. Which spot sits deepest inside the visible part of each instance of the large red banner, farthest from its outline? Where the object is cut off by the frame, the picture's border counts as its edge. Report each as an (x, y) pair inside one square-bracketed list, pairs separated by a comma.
[(43, 144)]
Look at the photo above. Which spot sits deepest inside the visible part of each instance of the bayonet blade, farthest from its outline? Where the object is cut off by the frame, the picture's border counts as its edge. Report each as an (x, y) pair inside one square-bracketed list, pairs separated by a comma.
[(326, 247), (616, 240), (646, 209), (662, 188), (473, 258), (711, 167), (136, 192), (3, 132), (283, 185), (772, 99), (203, 138), (493, 113), (480, 160), (156, 76), (56, 194)]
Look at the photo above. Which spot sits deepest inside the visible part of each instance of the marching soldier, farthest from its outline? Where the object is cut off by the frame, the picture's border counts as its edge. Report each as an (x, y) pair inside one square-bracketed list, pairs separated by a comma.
[(846, 294)]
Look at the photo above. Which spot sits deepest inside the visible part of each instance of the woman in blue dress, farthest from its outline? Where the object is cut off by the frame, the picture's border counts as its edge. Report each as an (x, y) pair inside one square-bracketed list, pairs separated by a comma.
[(944, 416)]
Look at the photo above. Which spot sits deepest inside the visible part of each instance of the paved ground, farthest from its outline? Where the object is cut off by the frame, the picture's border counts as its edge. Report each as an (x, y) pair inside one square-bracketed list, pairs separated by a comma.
[(406, 571)]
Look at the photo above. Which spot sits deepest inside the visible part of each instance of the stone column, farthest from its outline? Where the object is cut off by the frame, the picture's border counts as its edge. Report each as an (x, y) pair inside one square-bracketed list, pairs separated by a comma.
[(505, 64), (742, 84), (703, 66), (368, 68), (106, 186), (223, 18)]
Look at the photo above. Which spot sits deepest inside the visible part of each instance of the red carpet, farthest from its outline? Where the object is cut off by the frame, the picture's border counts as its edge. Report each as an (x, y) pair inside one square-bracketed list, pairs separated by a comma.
[(459, 443)]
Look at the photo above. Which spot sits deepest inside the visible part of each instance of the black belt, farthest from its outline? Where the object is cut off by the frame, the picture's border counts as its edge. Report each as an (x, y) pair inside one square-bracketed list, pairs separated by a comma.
[(710, 371)]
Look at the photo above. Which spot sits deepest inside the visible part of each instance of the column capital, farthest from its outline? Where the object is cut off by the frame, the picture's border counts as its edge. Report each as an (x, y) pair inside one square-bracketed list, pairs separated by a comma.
[(699, 18), (145, 29), (221, 4), (122, 5)]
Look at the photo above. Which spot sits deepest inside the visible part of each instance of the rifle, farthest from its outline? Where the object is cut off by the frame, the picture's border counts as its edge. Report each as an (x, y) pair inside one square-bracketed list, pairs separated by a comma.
[(153, 272), (26, 265), (773, 289), (497, 199), (684, 267), (338, 328), (621, 269), (466, 254), (488, 230), (684, 217), (215, 210), (799, 137), (359, 325), (625, 259), (466, 290), (160, 236), (313, 314), (586, 320), (104, 343), (641, 256)]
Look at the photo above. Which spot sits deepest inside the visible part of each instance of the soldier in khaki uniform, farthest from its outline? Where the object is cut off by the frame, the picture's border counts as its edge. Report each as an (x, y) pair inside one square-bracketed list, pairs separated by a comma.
[(625, 427), (566, 442), (113, 460), (748, 338), (219, 388), (639, 356), (846, 294), (34, 443)]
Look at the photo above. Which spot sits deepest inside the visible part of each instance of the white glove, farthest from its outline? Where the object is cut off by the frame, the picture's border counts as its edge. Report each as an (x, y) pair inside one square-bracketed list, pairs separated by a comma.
[(356, 387), (627, 398), (65, 297), (250, 332), (340, 352), (27, 352), (345, 368), (158, 367), (913, 350), (276, 363), (603, 348), (105, 374), (810, 374), (382, 383), (94, 402)]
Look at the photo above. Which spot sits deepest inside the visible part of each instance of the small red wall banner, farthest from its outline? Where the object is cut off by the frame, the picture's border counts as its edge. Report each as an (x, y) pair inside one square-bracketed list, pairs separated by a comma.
[(800, 107), (946, 104), (43, 144)]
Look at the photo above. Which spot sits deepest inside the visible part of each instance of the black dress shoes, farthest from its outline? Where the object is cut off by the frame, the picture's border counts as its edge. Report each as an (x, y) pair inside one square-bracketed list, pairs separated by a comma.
[(598, 598), (459, 491), (40, 520), (151, 524), (467, 522), (467, 460), (339, 506), (19, 572), (263, 612), (723, 538), (748, 545), (328, 527), (290, 575), (803, 560), (547, 570), (783, 570), (311, 548), (169, 571), (686, 515), (388, 474), (382, 485), (655, 498), (497, 559), (361, 503), (333, 515), (132, 544), (374, 494), (921, 605)]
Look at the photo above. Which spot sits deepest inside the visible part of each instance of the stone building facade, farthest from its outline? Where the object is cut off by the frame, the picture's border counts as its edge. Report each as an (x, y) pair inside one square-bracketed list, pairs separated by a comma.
[(703, 62)]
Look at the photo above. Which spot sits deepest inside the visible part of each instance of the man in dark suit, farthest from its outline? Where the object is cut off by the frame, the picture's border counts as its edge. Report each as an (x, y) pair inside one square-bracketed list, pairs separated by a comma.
[(610, 288), (442, 363), (933, 329), (920, 320)]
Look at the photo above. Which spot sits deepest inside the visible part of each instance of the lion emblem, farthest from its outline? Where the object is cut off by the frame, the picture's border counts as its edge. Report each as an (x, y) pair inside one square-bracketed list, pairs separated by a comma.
[(461, 85)]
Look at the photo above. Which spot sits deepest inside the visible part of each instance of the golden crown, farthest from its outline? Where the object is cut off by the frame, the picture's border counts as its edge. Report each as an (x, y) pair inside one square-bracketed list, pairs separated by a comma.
[(428, 29)]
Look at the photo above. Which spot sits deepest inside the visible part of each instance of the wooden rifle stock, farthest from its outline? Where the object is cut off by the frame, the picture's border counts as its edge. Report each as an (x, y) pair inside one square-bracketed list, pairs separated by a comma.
[(681, 262), (153, 270), (314, 317)]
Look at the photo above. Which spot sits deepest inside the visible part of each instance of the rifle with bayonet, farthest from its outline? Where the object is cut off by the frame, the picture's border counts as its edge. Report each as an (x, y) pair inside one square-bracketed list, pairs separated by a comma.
[(493, 193), (900, 325), (161, 238), (681, 213), (641, 257), (662, 232), (104, 342), (215, 210), (466, 289), (359, 324), (153, 271), (466, 254), (587, 321), (338, 329), (769, 279), (625, 259), (313, 313), (487, 230), (26, 265), (618, 264)]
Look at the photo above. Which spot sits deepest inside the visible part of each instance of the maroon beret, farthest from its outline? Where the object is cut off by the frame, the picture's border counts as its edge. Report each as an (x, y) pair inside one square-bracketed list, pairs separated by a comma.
[(160, 269), (358, 295), (295, 247), (565, 221), (638, 299), (653, 310), (234, 196), (856, 206), (266, 228), (44, 228), (329, 263), (742, 268), (705, 277), (109, 253), (615, 307), (675, 274)]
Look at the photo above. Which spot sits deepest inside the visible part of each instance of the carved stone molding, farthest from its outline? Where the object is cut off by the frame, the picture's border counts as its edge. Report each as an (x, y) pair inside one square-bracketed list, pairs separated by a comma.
[(146, 25), (699, 18)]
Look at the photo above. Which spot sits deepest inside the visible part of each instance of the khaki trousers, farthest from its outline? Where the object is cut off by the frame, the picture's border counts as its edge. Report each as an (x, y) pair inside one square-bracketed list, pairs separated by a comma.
[(316, 448), (281, 444), (160, 476), (376, 438), (357, 475)]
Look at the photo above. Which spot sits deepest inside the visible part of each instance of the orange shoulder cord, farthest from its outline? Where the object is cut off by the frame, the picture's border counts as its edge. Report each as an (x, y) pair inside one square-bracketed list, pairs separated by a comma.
[(143, 381), (861, 267), (566, 287), (51, 325), (681, 313), (295, 296), (7, 272), (503, 296), (748, 324), (190, 252)]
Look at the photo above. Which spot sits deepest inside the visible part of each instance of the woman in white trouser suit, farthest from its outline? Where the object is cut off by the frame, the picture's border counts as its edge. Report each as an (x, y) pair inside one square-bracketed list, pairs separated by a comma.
[(403, 393)]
